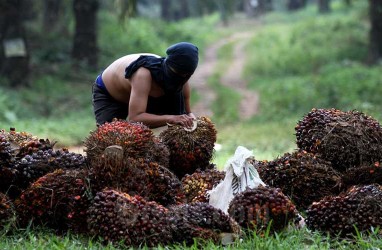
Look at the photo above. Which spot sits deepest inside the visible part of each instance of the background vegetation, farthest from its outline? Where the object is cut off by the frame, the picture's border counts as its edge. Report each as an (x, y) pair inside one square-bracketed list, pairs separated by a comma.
[(295, 62)]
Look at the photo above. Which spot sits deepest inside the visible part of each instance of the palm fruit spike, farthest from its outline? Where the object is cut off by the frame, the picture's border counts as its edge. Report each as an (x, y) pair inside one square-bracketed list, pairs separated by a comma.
[(302, 176), (7, 212), (59, 200), (39, 163), (190, 150), (262, 207), (6, 156), (8, 173), (200, 220), (9, 182), (357, 209), (136, 140), (118, 217), (196, 185), (366, 174), (136, 176), (347, 139)]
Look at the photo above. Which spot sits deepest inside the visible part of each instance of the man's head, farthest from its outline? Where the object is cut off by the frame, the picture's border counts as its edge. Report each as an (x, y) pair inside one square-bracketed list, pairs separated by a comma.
[(180, 63)]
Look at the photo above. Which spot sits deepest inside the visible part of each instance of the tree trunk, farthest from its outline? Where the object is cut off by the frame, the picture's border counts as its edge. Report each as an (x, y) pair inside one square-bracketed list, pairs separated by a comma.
[(257, 7), (250, 7), (14, 56), (51, 14), (323, 6), (184, 9), (226, 8), (296, 4), (165, 10), (375, 35), (348, 3), (85, 49)]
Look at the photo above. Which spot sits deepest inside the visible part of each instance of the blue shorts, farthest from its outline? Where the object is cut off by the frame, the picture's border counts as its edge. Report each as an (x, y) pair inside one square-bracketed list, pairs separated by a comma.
[(105, 107)]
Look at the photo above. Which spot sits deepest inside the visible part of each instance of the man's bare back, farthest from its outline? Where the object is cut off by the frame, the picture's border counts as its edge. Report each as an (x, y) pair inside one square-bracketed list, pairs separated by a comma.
[(115, 82)]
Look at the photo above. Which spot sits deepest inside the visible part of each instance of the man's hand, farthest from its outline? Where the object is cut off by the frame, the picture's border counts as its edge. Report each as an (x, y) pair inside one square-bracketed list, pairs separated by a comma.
[(184, 120)]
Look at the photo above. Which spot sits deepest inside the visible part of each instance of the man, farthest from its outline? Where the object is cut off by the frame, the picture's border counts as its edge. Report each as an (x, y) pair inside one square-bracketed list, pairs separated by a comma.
[(147, 88)]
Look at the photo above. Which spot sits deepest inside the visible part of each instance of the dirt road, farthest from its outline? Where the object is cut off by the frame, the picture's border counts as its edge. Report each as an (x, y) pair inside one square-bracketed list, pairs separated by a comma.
[(233, 78)]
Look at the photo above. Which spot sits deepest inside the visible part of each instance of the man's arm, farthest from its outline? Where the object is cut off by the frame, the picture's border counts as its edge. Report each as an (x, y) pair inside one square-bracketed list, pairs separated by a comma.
[(140, 89), (187, 99)]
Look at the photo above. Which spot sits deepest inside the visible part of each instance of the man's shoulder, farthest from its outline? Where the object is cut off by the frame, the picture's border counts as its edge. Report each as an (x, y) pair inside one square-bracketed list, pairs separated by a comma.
[(142, 73)]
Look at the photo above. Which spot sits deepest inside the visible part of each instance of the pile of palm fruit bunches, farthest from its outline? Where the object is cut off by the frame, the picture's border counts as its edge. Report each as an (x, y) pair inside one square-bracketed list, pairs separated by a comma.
[(134, 187), (334, 176)]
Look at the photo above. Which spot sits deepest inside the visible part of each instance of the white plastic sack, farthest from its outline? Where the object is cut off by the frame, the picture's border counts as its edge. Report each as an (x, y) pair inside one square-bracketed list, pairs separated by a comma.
[(240, 174)]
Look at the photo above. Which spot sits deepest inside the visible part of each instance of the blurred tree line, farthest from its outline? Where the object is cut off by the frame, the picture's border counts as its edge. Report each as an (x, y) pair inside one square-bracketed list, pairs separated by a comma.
[(56, 17)]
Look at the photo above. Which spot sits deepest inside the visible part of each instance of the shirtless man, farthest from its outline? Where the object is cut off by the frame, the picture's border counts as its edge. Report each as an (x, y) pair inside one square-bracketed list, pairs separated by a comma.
[(147, 88)]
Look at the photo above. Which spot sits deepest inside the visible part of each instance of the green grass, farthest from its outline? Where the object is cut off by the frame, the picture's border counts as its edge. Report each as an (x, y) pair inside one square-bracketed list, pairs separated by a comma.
[(267, 140), (46, 239), (289, 239)]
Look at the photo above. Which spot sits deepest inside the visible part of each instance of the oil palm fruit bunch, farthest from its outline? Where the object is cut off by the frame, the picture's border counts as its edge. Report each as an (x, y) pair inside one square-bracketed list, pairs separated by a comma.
[(135, 139), (200, 220), (357, 209), (347, 139), (7, 212), (263, 207), (35, 165), (302, 176), (190, 150), (197, 184), (14, 146), (363, 175), (59, 200), (24, 143), (137, 176), (118, 217)]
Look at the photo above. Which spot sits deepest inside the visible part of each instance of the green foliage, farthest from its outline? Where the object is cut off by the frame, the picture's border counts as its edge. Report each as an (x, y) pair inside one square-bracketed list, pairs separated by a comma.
[(52, 97), (350, 85), (313, 62), (196, 31), (267, 140), (137, 35), (7, 113), (304, 47)]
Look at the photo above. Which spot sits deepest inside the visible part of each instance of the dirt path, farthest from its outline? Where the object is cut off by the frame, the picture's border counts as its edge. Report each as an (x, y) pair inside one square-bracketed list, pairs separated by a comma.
[(232, 78)]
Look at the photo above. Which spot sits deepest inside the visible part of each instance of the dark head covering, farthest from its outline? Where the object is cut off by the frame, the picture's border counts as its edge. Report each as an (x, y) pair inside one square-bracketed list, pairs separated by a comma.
[(182, 57), (171, 72)]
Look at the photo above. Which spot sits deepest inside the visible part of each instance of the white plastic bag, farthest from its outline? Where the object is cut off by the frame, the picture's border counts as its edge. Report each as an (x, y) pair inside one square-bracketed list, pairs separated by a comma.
[(240, 174)]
